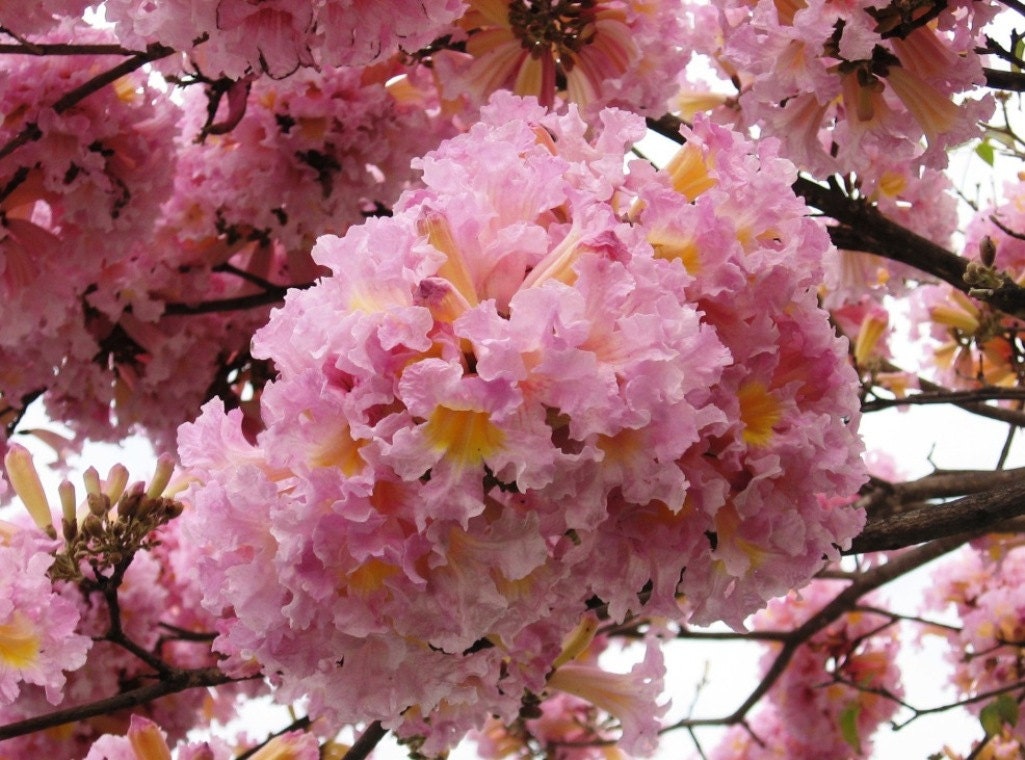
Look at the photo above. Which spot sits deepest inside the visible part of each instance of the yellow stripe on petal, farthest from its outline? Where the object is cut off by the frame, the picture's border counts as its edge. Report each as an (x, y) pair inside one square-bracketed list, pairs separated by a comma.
[(933, 110), (759, 411), (892, 183), (435, 227), (340, 451), (669, 245), (688, 171), (19, 642), (370, 577), (148, 743), (465, 436)]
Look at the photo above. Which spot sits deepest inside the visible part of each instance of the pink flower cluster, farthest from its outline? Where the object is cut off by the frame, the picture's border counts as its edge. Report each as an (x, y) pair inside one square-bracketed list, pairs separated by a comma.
[(985, 586), (51, 626), (971, 342), (39, 637), (310, 154), (73, 201), (828, 701), (236, 37), (118, 220), (545, 384), (839, 81)]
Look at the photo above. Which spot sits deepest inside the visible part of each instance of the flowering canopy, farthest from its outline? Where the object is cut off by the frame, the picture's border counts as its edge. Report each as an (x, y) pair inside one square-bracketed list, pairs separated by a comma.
[(464, 390)]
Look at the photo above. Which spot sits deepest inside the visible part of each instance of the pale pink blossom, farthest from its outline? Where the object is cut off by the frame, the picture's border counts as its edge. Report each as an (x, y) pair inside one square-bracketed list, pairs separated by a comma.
[(501, 405)]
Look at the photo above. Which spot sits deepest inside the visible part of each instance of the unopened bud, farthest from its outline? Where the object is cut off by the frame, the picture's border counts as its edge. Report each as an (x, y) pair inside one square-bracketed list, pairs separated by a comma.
[(99, 504), (117, 479), (172, 508), (24, 478), (128, 507), (69, 507), (92, 526), (987, 251), (162, 476), (91, 479), (70, 529)]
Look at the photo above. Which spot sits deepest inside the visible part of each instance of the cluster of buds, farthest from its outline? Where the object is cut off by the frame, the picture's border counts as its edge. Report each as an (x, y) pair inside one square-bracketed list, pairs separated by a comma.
[(115, 521)]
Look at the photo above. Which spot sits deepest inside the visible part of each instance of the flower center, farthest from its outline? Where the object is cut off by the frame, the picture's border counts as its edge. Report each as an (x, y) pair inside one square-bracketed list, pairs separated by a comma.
[(562, 26)]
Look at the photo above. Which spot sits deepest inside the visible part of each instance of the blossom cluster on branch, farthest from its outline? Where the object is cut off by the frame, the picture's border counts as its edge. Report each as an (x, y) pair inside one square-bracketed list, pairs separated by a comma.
[(464, 390)]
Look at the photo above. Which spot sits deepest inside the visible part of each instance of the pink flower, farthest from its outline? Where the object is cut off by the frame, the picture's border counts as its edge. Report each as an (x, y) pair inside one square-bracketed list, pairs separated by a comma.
[(836, 82), (984, 585), (631, 697), (601, 53), (39, 637), (831, 697), (233, 38), (513, 397)]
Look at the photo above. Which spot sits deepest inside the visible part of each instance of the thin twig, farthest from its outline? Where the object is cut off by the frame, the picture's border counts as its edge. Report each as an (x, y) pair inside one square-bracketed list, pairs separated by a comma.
[(975, 395), (178, 681), (31, 131), (841, 604)]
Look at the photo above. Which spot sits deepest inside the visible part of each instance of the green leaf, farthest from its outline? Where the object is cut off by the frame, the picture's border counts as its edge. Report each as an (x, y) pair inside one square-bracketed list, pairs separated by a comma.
[(849, 725), (984, 150), (1000, 712), (1008, 707)]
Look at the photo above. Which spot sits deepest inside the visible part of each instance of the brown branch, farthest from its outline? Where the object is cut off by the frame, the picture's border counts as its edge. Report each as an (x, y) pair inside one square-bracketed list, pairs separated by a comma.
[(865, 228), (862, 227), (668, 126), (975, 395), (974, 514), (1010, 416), (62, 48), (945, 483), (366, 742), (841, 604), (998, 79), (238, 303), (299, 724), (881, 499), (31, 132), (175, 682)]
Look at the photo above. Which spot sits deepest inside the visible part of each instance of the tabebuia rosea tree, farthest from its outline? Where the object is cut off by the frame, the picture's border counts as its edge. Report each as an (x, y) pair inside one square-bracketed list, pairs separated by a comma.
[(500, 353)]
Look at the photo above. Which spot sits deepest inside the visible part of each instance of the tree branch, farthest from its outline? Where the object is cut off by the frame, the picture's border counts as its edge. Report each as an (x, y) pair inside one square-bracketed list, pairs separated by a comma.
[(366, 742), (998, 79), (62, 48), (999, 413), (175, 682), (974, 395), (238, 303), (840, 605), (31, 132), (971, 515), (864, 228)]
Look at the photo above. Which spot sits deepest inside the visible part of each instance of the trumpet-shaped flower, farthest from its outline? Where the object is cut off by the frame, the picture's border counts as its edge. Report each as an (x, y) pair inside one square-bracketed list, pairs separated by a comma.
[(39, 639), (592, 53)]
